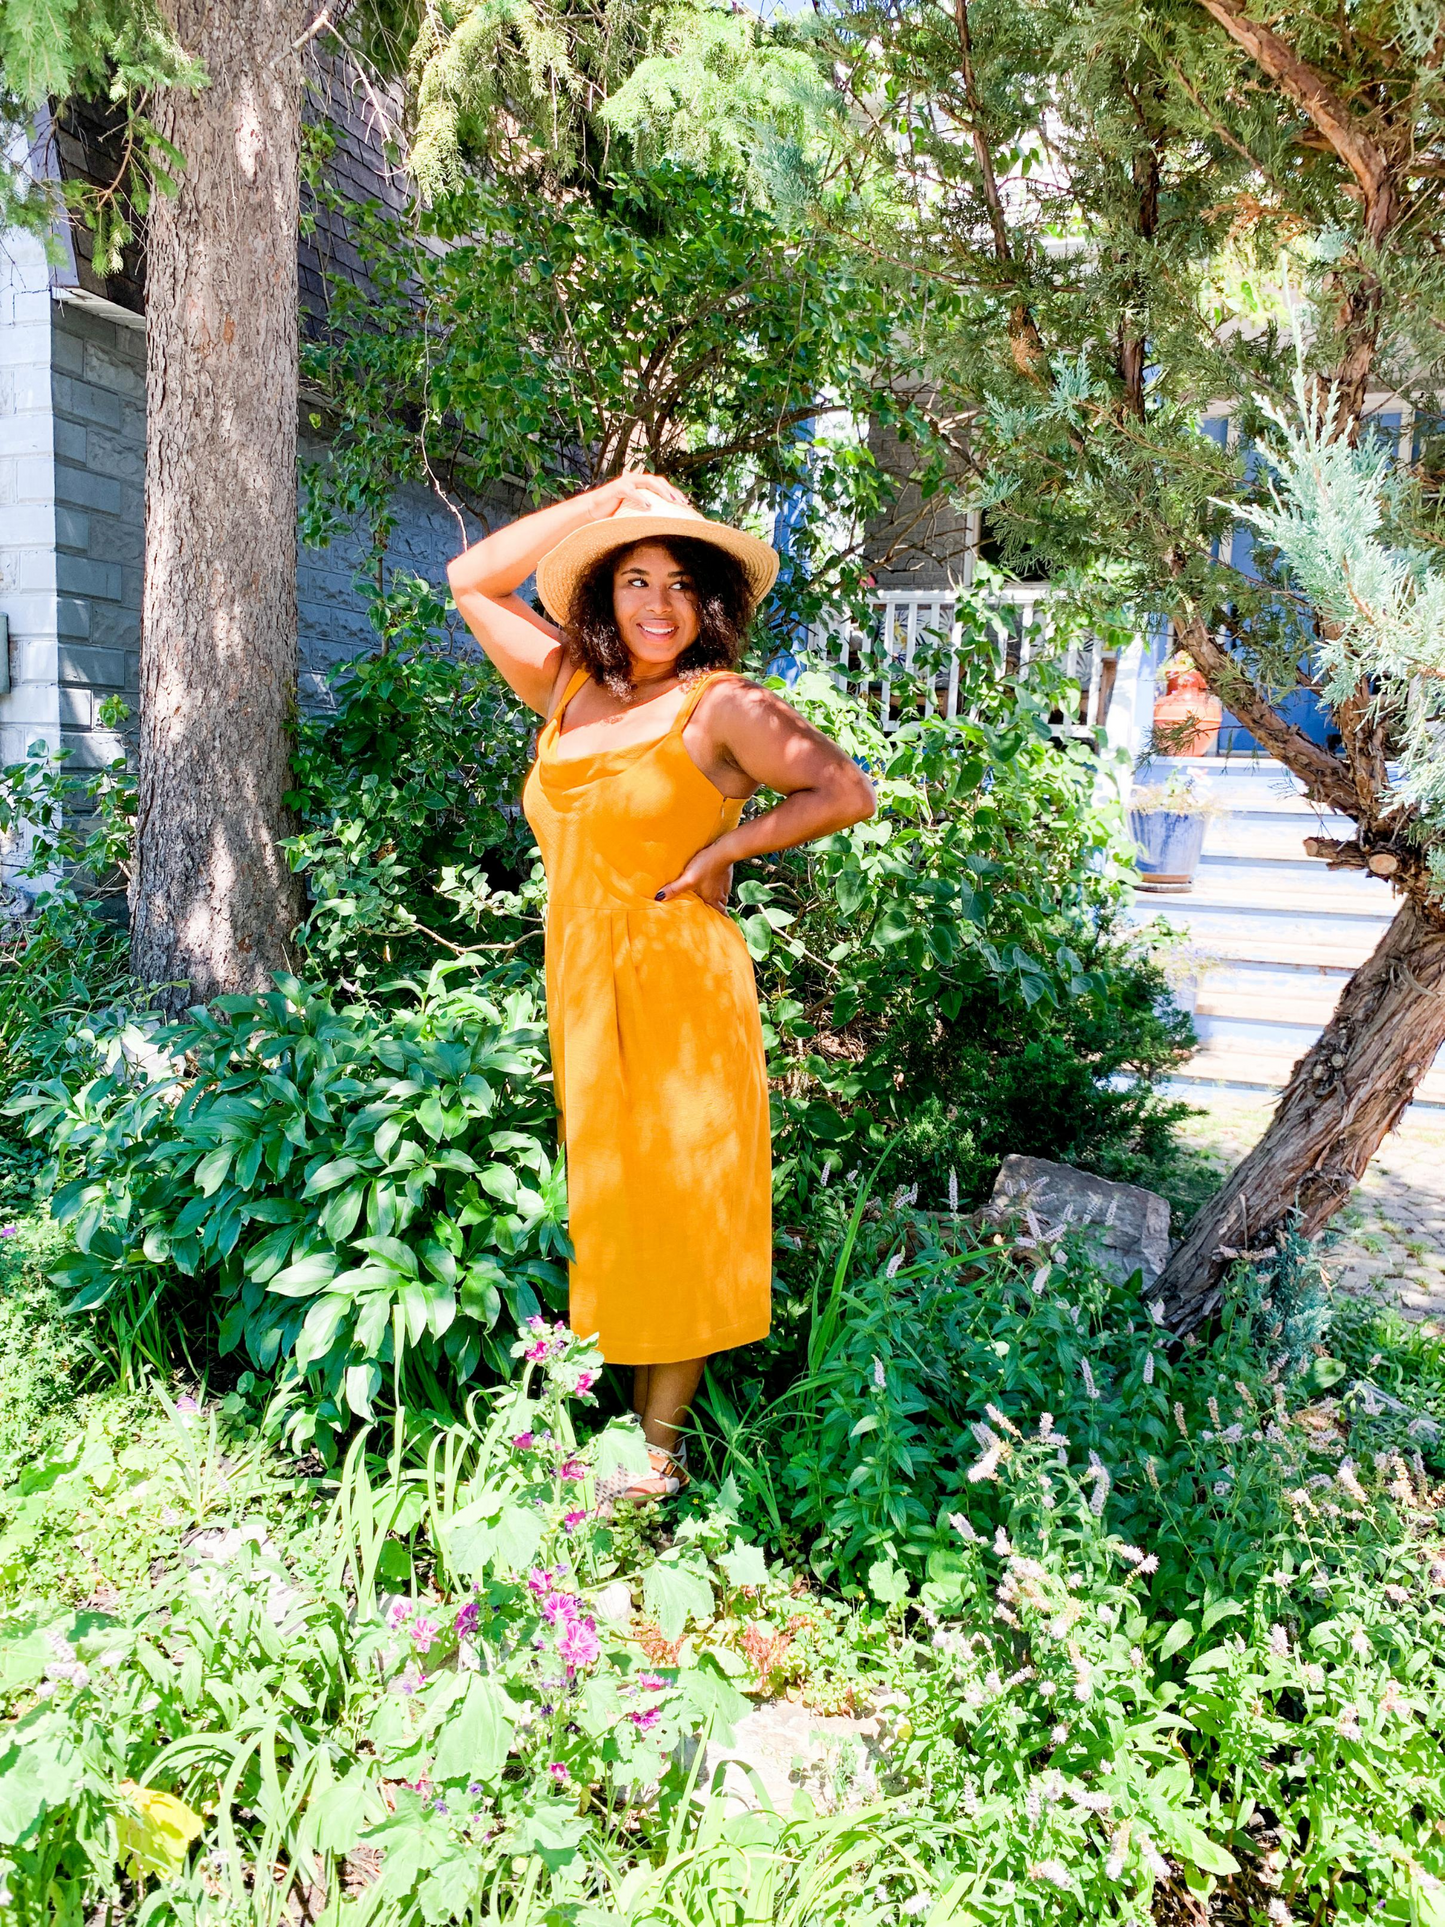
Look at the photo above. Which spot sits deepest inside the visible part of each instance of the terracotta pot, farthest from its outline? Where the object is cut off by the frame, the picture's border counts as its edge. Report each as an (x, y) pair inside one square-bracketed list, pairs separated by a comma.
[(1181, 678), (1188, 700)]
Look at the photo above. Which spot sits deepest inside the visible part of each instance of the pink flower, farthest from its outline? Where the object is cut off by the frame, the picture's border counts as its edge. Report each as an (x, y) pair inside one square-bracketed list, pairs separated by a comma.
[(573, 1469), (585, 1382), (523, 1442), (645, 1721), (559, 1773), (571, 1520), (465, 1623), (652, 1682), (536, 1353), (578, 1644), (399, 1612), (423, 1633)]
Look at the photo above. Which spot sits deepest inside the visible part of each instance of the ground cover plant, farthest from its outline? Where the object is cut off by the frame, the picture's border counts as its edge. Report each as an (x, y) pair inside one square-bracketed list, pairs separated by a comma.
[(1133, 1621)]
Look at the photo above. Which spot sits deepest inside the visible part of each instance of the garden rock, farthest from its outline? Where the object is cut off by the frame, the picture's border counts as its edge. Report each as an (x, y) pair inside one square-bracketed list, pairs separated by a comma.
[(782, 1748), (215, 1547), (1130, 1226), (614, 1603)]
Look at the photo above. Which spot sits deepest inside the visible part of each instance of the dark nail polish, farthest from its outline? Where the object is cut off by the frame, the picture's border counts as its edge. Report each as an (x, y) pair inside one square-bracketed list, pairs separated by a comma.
[(658, 897)]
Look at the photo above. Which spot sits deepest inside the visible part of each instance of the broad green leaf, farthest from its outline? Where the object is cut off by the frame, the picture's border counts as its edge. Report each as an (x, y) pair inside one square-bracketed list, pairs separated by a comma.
[(1179, 1634), (745, 1565), (476, 1734), (306, 1277), (675, 1589)]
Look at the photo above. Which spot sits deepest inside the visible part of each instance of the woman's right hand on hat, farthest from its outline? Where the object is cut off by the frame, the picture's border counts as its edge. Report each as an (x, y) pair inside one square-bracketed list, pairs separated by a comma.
[(630, 490)]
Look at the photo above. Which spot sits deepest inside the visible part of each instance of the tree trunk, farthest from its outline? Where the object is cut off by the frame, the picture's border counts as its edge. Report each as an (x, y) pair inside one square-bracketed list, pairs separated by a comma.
[(1343, 1096), (212, 900)]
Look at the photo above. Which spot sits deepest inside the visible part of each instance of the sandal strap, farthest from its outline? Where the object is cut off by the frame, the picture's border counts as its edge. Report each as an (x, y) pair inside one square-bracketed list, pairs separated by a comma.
[(670, 1465)]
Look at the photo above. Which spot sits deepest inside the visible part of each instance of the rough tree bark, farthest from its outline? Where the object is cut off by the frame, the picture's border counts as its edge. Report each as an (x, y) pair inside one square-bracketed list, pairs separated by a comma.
[(212, 900), (1342, 1098)]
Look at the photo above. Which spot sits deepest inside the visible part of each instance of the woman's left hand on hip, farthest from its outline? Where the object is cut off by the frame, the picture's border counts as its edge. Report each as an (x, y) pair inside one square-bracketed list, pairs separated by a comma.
[(706, 876)]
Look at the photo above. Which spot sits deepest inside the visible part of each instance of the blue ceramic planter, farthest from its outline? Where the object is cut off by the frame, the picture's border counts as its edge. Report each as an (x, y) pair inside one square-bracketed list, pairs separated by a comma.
[(1169, 843)]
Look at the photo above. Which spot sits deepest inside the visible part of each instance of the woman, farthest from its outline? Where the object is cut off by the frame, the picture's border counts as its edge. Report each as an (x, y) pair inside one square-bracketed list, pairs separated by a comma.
[(651, 747)]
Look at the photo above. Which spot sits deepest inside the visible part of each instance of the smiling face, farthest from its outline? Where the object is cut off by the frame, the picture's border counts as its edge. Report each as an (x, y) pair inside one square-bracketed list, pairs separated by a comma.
[(655, 605)]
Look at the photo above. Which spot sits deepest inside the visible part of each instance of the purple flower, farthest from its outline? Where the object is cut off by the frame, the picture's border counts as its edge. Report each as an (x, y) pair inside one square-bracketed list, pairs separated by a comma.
[(645, 1721), (523, 1442), (560, 1608), (185, 1403), (571, 1520), (474, 1786), (9, 1231), (578, 1644), (559, 1772), (439, 1805), (465, 1623)]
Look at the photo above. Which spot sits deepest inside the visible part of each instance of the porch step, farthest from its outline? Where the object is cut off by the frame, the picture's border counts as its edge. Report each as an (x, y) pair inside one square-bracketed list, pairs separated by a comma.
[(1298, 1006), (1276, 835), (1275, 934), (1212, 1069)]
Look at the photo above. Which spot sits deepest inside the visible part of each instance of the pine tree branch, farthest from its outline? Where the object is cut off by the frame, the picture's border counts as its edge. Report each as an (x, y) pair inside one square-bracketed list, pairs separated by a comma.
[(1341, 399), (1364, 157), (1029, 355)]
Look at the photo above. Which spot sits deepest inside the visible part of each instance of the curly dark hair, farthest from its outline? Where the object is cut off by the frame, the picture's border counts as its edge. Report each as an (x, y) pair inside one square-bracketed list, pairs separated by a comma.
[(721, 596)]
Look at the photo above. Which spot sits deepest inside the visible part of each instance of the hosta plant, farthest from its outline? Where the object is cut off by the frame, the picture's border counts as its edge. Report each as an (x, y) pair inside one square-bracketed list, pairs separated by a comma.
[(348, 1198)]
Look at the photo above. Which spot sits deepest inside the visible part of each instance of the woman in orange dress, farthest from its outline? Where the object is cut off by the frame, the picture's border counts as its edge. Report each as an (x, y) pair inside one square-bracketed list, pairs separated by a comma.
[(650, 749)]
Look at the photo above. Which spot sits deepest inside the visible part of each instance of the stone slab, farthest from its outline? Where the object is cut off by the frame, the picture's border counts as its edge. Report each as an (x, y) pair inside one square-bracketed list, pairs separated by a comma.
[(1129, 1225)]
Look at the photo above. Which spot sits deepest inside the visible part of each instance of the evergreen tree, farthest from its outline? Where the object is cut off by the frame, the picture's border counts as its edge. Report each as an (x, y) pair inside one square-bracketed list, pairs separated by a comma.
[(1117, 192)]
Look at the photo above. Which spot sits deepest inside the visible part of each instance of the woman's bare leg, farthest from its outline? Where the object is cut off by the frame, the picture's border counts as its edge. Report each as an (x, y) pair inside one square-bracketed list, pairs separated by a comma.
[(640, 1376), (670, 1392)]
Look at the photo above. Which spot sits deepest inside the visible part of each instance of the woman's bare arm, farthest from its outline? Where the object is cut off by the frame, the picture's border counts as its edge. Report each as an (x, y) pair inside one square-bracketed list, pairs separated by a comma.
[(822, 789), (527, 649)]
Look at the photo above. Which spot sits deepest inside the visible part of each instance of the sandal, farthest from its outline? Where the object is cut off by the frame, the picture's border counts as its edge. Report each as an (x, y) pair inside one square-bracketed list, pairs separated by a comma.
[(668, 1476)]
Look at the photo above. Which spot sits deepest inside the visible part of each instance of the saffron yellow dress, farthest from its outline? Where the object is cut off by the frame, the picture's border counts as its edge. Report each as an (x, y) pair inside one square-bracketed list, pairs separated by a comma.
[(657, 1052)]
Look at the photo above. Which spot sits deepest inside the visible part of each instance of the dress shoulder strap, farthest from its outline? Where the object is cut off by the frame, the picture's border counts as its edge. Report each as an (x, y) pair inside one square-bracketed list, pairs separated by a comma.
[(575, 682), (693, 698)]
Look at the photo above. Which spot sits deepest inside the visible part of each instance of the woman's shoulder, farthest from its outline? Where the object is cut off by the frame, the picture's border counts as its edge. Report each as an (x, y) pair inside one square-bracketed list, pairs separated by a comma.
[(735, 708)]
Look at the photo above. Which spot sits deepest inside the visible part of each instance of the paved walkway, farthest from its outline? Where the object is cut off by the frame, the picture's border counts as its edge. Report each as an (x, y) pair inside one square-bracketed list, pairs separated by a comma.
[(1393, 1240)]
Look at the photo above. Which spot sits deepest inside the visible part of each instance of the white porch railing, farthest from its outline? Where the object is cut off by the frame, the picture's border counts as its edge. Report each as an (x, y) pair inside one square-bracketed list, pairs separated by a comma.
[(883, 663)]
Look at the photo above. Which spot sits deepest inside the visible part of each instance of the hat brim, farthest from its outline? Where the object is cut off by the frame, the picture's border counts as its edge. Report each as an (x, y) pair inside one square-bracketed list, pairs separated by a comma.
[(562, 569)]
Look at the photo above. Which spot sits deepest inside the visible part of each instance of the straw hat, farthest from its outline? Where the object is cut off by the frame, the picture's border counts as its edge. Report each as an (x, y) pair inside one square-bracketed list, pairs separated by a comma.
[(562, 568)]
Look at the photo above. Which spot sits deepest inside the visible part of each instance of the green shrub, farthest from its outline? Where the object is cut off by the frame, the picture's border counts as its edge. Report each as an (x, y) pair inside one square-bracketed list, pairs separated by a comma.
[(63, 962), (349, 1198), (409, 793), (862, 1434), (945, 977)]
